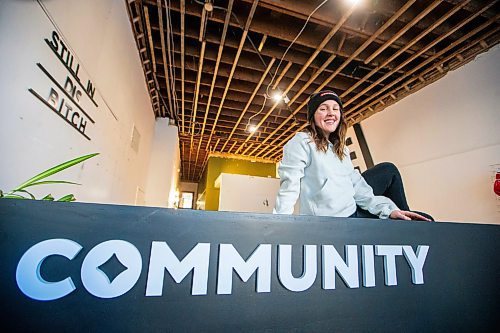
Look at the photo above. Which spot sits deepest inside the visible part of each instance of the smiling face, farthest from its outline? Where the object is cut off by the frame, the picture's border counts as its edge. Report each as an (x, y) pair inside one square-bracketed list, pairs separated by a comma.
[(327, 117)]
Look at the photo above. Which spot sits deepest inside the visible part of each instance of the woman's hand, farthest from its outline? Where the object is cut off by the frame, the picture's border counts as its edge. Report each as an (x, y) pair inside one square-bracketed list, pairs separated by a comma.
[(406, 215)]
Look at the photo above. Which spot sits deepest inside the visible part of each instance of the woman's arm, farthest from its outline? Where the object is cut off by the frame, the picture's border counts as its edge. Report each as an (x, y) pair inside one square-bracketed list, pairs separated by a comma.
[(291, 170), (407, 215), (379, 205)]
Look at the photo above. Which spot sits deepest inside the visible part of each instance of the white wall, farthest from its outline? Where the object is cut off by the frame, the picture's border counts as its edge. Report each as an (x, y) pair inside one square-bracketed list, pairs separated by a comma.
[(34, 138), (259, 193), (190, 187), (163, 173), (445, 139)]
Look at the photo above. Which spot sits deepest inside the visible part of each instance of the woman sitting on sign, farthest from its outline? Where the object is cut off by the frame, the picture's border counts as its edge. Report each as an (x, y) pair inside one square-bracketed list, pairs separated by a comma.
[(316, 165)]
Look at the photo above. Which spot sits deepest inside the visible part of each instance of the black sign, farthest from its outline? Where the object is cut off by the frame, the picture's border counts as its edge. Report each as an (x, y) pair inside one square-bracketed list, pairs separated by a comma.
[(89, 267)]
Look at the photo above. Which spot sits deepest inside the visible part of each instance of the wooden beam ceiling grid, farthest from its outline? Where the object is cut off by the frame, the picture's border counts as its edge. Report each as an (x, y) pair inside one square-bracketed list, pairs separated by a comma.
[(358, 66), (413, 57), (373, 55), (136, 20), (330, 47), (435, 72), (436, 56)]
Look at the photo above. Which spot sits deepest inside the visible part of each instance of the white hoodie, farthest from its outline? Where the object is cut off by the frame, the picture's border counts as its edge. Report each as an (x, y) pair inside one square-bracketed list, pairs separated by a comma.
[(327, 186)]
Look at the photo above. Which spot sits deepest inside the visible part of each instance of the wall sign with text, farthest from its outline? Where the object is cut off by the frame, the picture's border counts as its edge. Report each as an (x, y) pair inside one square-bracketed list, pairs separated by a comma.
[(65, 95)]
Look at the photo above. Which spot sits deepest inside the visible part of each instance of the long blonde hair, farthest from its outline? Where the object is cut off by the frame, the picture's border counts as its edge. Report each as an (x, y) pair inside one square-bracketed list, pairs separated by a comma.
[(337, 138)]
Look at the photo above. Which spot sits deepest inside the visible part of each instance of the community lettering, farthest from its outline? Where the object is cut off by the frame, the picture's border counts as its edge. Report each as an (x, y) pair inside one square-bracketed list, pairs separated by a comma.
[(197, 261)]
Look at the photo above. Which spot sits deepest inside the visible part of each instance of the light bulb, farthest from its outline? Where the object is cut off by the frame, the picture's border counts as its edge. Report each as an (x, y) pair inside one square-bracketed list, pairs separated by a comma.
[(277, 96)]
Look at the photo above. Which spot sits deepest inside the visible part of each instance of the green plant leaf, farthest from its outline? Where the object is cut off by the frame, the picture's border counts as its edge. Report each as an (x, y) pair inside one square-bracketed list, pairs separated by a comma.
[(51, 182), (53, 170), (48, 197), (13, 196), (24, 191), (67, 198)]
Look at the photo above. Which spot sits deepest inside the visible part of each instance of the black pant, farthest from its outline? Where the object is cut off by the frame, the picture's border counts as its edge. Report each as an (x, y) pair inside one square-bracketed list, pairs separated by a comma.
[(386, 180)]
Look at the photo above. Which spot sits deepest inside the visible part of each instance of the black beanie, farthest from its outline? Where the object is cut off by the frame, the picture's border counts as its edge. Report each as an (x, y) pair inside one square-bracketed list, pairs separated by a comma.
[(316, 99)]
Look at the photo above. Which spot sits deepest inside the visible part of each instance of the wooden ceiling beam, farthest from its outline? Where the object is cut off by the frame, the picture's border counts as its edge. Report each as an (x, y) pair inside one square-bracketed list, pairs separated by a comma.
[(138, 29), (212, 86), (224, 71), (276, 51), (153, 57), (239, 157), (436, 56), (251, 74), (272, 143), (224, 127), (242, 41), (283, 72), (269, 154), (402, 31), (366, 43), (238, 90), (475, 6), (287, 33), (233, 105), (197, 89), (239, 87), (278, 80), (183, 53), (431, 77), (397, 54), (400, 52), (164, 57), (312, 79), (250, 100), (235, 93), (150, 37), (300, 10), (185, 139), (171, 68), (415, 56)]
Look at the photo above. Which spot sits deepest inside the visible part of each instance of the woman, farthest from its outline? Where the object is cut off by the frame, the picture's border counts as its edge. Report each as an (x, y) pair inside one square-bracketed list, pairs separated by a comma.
[(316, 165)]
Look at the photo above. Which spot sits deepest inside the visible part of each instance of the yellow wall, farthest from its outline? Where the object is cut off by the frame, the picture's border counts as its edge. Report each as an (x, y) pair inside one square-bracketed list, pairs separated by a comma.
[(218, 165)]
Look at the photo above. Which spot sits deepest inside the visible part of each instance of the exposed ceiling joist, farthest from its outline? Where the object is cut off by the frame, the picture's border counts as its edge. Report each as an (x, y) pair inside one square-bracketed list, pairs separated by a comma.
[(225, 62)]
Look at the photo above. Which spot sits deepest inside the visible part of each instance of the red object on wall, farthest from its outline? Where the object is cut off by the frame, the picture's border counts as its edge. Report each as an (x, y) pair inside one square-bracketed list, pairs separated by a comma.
[(496, 186)]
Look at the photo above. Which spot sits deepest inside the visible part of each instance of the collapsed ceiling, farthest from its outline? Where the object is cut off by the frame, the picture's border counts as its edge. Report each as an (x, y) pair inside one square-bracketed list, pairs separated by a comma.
[(235, 76)]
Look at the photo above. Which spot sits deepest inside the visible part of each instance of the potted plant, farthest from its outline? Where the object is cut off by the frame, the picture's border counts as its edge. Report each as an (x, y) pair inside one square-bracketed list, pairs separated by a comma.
[(22, 192)]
